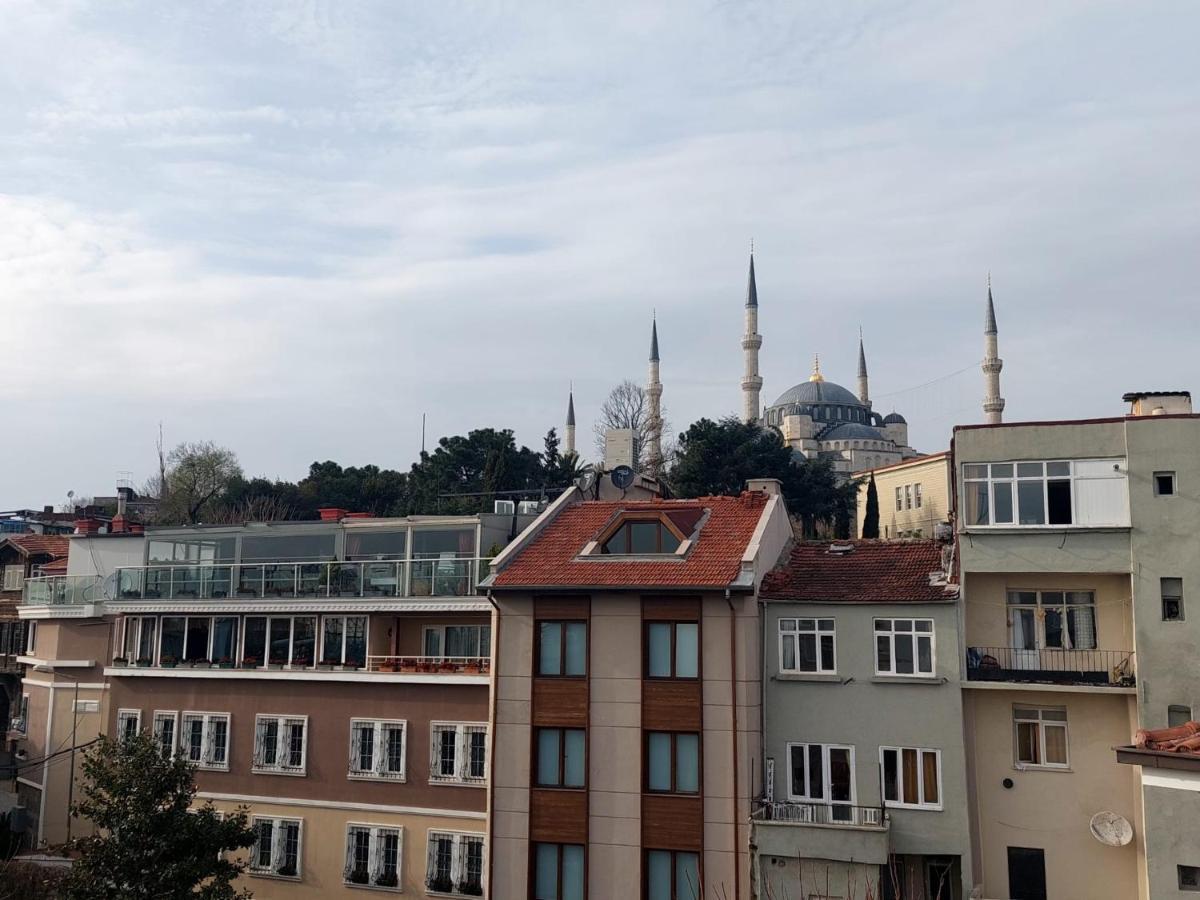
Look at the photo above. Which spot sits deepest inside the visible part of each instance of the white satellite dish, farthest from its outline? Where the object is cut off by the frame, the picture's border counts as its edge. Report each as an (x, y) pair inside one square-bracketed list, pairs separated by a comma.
[(1110, 829), (586, 480)]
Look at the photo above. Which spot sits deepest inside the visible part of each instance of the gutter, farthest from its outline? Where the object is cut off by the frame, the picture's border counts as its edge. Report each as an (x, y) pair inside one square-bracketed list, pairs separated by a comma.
[(737, 855), (491, 786)]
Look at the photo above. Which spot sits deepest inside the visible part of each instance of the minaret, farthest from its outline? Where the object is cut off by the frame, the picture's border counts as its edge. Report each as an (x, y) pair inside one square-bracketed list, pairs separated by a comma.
[(570, 422), (993, 403), (863, 393), (751, 342), (652, 460)]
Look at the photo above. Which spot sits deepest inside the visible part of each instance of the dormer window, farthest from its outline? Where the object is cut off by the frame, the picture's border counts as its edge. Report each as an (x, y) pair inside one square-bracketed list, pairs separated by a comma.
[(648, 532), (639, 537)]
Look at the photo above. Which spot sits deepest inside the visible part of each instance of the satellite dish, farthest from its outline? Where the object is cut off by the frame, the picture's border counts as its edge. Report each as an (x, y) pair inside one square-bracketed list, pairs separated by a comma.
[(1110, 829), (622, 477), (586, 480)]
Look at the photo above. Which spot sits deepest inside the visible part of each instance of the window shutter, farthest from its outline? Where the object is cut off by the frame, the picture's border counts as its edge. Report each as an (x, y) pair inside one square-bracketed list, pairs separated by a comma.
[(260, 737), (435, 757), (456, 861), (209, 739), (377, 857), (355, 745), (431, 858), (350, 840)]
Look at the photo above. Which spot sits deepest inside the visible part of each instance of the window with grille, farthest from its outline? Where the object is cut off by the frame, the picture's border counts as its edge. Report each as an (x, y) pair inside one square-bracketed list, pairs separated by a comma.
[(373, 854), (129, 723), (458, 753), (165, 732), (454, 864), (280, 743), (806, 646), (204, 739), (276, 850), (377, 749)]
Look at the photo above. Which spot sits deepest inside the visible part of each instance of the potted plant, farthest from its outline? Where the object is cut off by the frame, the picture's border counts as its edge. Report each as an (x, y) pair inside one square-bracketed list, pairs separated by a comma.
[(447, 665), (169, 662), (440, 883), (470, 888), (143, 662), (359, 876), (201, 664), (408, 664), (287, 870), (120, 660), (472, 667), (425, 665), (388, 664), (386, 879), (224, 663), (250, 662)]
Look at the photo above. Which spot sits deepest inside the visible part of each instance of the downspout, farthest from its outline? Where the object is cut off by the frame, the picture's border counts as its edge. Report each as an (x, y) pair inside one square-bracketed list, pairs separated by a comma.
[(491, 787), (737, 856)]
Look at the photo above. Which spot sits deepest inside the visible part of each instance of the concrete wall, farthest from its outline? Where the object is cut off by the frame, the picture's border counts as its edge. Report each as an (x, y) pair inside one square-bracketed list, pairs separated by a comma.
[(1171, 799), (102, 554), (934, 477)]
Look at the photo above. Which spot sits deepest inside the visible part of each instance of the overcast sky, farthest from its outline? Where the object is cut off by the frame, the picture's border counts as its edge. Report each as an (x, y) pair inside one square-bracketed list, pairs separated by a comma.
[(292, 228)]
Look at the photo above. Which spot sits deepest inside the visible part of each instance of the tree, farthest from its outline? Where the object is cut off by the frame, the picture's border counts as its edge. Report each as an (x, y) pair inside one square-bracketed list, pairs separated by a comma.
[(198, 474), (150, 843), (627, 406), (483, 463), (558, 470), (870, 527)]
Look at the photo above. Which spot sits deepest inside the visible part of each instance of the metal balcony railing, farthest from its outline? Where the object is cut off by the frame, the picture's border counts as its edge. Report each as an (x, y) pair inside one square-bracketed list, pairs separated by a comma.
[(843, 814), (61, 590), (1111, 668), (460, 665), (444, 577)]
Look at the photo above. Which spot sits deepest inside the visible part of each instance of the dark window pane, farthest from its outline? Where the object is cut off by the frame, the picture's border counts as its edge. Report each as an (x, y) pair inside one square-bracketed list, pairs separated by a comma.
[(1058, 501), (643, 537), (904, 654), (1031, 503)]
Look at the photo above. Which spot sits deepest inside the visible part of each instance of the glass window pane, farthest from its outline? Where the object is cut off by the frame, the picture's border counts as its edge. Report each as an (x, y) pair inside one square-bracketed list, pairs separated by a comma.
[(840, 775), (1002, 503), (375, 544), (255, 643), (576, 649), (658, 638), (891, 789), (1002, 470), (304, 640), (658, 875), (547, 772), (546, 877), (816, 772), (573, 757), (356, 640), (883, 653), (796, 786), (977, 503), (172, 638), (281, 638), (278, 547), (924, 654), (572, 872), (658, 761), (224, 644), (550, 642), (827, 660), (1031, 503), (331, 642), (687, 650), (643, 537), (911, 782), (904, 655), (1054, 628), (975, 471), (687, 876), (687, 763), (807, 646), (1029, 470), (1058, 468), (433, 642), (788, 659), (432, 544), (1027, 748), (1056, 744), (929, 776), (1058, 499)]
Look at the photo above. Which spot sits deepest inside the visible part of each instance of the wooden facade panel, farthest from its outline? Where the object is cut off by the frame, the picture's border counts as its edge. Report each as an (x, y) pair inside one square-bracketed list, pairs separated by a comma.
[(560, 701), (671, 705), (671, 608), (561, 607), (672, 822), (558, 816)]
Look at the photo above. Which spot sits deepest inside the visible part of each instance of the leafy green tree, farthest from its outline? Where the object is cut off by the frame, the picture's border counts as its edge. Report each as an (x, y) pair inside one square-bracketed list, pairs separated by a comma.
[(484, 462), (870, 527), (381, 492), (150, 843), (559, 470)]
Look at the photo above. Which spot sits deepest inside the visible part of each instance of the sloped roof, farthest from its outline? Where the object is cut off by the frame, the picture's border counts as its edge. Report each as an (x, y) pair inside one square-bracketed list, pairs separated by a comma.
[(714, 559), (871, 572), (56, 546), (1183, 738)]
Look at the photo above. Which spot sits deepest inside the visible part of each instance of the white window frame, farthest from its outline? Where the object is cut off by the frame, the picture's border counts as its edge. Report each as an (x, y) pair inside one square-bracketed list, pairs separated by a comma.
[(14, 577), (826, 774), (917, 501), (908, 497), (376, 833), (899, 498), (124, 717), (284, 726), (1042, 724), (458, 857), (207, 740), (160, 717), (378, 770), (816, 632), (891, 633), (278, 834), (1063, 608), (921, 802), (31, 629), (20, 722), (344, 619), (440, 631), (1079, 471), (462, 756)]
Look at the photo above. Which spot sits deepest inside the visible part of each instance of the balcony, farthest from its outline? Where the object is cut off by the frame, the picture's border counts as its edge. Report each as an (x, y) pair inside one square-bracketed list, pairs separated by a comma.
[(416, 669), (1095, 668), (460, 665), (62, 591), (833, 831), (320, 579)]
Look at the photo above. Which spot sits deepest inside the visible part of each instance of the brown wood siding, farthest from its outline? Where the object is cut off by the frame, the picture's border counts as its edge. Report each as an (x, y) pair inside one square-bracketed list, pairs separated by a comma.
[(670, 705), (560, 701), (673, 822), (682, 609), (558, 816), (561, 607)]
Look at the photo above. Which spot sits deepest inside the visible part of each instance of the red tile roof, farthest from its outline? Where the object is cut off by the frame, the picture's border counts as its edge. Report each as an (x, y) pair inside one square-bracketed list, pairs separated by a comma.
[(873, 572), (1183, 738), (551, 559), (53, 545)]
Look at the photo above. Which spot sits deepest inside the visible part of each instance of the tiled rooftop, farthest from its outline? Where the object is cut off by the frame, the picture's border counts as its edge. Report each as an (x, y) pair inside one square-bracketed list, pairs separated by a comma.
[(1183, 738), (714, 560), (55, 546), (859, 572)]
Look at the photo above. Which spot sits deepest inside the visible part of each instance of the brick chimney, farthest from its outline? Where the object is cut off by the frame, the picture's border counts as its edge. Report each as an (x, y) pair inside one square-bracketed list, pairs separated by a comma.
[(331, 513), (87, 526)]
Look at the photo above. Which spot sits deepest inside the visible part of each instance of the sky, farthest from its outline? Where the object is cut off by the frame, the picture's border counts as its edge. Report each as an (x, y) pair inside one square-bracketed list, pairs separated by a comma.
[(293, 228)]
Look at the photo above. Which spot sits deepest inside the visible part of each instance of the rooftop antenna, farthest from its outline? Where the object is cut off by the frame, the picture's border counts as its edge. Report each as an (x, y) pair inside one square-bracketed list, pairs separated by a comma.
[(422, 434)]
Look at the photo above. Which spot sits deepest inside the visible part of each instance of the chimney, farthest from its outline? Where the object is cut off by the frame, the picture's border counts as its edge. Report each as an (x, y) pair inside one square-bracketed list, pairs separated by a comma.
[(87, 526), (331, 513), (47, 510), (772, 487), (137, 528)]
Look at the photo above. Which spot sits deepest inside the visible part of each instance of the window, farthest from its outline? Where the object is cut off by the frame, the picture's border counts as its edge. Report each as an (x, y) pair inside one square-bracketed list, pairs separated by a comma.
[(642, 536), (1189, 877), (373, 855), (454, 864), (277, 848), (458, 641), (672, 875), (280, 743), (1060, 620), (140, 634), (908, 497), (672, 762), (204, 739), (899, 499), (1041, 736), (14, 577), (562, 649), (1178, 715), (1060, 492), (344, 641), (129, 723), (904, 646), (20, 722), (558, 872), (1164, 484), (806, 645), (31, 637), (824, 774), (561, 757), (1171, 590), (912, 776), (459, 753), (673, 650), (377, 749), (165, 732), (917, 495)]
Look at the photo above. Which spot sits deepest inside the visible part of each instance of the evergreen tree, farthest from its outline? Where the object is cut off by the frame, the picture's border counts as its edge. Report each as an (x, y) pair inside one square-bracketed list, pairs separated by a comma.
[(870, 527)]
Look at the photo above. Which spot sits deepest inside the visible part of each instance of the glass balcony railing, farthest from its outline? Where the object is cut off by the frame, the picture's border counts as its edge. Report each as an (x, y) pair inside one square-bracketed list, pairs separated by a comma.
[(61, 590), (442, 577)]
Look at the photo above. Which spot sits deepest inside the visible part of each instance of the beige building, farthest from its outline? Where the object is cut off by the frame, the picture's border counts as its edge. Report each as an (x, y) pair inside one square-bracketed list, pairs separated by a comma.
[(913, 496)]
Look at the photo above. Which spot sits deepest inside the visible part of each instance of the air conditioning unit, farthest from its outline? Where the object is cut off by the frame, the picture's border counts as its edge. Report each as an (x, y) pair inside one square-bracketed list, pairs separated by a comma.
[(504, 508), (529, 507)]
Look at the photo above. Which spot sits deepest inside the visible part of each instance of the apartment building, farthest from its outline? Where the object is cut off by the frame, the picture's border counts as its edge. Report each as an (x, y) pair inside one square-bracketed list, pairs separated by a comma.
[(1076, 541), (914, 496), (626, 713), (332, 676), (866, 787)]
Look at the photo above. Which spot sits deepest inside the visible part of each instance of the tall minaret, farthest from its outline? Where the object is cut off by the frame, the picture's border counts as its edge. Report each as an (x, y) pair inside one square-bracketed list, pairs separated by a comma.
[(993, 403), (863, 393), (570, 421), (652, 460), (751, 342)]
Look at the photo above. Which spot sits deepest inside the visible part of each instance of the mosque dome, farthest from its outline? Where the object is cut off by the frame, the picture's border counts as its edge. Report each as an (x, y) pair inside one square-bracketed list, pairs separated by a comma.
[(894, 419), (808, 392), (846, 431)]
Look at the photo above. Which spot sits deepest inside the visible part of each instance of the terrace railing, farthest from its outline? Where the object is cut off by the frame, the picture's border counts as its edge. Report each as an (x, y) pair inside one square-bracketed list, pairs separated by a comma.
[(61, 590), (1105, 668), (843, 814)]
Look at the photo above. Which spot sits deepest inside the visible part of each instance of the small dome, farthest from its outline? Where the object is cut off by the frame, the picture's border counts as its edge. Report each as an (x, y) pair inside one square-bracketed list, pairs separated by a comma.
[(817, 392), (851, 430), (894, 419)]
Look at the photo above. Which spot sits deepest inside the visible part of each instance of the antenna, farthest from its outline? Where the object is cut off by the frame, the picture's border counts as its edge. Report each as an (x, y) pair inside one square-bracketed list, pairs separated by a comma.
[(422, 434)]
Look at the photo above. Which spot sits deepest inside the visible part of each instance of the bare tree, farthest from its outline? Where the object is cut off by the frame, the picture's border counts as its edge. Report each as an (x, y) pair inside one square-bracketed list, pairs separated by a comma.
[(252, 509), (197, 474), (627, 406)]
